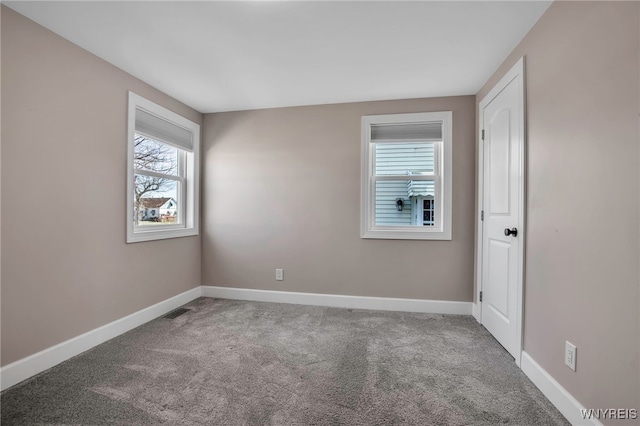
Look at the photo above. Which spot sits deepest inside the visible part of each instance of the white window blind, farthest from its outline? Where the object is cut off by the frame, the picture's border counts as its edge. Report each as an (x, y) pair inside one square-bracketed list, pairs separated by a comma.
[(389, 132), (163, 131)]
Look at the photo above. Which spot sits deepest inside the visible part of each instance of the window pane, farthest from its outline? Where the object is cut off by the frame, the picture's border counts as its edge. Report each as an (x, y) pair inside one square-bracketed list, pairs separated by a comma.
[(155, 156), (387, 210), (403, 158), (394, 206), (421, 188), (156, 201)]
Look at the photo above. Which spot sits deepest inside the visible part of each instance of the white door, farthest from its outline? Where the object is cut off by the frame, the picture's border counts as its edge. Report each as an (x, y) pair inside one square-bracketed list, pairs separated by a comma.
[(502, 119)]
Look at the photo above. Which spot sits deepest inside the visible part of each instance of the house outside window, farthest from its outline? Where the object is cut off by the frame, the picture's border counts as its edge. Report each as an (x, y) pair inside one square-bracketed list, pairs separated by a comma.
[(423, 211), (163, 158), (406, 176), (157, 209)]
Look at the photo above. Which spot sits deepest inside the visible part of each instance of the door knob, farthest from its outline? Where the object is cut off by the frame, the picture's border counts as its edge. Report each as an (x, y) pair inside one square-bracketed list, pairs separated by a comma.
[(512, 231)]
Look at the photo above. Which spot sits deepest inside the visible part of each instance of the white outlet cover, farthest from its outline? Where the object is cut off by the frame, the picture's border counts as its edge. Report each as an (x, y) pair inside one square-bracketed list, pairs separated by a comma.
[(279, 274), (570, 353)]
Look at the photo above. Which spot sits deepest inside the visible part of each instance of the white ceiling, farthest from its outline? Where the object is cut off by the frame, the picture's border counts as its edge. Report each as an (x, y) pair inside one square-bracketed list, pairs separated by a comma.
[(225, 56)]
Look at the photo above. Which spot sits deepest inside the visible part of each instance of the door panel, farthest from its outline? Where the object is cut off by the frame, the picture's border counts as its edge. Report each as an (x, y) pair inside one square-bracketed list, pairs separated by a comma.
[(499, 151), (498, 278), (502, 177)]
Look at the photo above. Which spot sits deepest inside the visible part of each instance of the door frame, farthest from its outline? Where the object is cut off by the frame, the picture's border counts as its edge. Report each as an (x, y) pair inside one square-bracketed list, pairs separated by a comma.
[(516, 72)]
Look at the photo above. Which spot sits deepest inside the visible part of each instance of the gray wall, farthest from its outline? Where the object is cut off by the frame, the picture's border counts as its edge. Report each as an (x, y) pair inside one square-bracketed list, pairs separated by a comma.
[(582, 247), (281, 188), (65, 266)]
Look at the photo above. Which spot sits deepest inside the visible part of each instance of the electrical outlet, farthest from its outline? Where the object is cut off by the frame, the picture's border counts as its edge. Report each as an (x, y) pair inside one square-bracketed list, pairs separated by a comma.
[(570, 352), (279, 274)]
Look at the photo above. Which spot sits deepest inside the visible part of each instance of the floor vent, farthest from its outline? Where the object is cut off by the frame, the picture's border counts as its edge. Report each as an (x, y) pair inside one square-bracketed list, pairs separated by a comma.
[(176, 313)]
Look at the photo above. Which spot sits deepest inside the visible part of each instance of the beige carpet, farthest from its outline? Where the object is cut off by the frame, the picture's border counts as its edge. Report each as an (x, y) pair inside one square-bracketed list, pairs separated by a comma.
[(229, 362)]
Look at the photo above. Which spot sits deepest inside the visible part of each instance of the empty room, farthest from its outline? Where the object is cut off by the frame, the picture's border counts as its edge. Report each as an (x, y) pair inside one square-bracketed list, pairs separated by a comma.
[(320, 213)]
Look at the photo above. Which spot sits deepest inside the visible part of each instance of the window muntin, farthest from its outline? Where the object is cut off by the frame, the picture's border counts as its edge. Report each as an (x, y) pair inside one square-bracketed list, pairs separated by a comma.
[(406, 176), (163, 173)]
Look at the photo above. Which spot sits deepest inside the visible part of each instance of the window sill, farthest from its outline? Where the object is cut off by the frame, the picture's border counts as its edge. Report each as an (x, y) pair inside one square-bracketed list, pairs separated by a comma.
[(406, 234), (160, 234)]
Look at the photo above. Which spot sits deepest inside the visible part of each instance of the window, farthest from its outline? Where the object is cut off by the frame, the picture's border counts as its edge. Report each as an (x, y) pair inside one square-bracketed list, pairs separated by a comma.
[(406, 176), (163, 157)]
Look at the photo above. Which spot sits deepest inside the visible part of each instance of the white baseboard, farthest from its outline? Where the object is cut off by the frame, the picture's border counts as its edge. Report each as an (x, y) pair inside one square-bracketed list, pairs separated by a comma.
[(563, 400), (22, 369), (339, 301), (475, 311)]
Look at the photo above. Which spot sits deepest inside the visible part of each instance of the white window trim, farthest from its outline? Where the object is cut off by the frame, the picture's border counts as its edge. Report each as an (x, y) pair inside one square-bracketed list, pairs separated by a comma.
[(190, 189), (443, 211)]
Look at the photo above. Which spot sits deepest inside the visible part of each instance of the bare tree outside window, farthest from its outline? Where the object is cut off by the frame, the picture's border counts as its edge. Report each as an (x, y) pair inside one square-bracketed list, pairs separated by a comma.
[(156, 157)]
